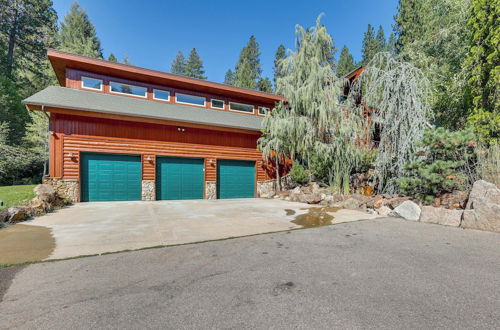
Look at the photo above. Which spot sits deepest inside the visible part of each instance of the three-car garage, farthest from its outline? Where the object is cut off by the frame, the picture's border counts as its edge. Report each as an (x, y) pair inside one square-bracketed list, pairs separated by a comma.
[(112, 177)]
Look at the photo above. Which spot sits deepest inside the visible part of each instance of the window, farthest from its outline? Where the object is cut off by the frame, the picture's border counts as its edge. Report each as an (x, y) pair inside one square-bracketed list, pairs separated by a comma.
[(161, 95), (263, 111), (92, 83), (189, 99), (127, 89), (217, 104), (240, 107)]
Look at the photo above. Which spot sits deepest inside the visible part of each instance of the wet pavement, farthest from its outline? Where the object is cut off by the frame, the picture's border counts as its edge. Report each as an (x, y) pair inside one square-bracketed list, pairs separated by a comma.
[(20, 243)]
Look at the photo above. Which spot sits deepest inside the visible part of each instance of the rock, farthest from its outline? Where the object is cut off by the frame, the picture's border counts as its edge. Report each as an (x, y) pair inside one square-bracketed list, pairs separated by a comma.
[(480, 189), (45, 193), (456, 199), (384, 211), (18, 213), (313, 198), (396, 201), (483, 207), (408, 210), (352, 204), (296, 190), (361, 198), (441, 216), (374, 200), (3, 216)]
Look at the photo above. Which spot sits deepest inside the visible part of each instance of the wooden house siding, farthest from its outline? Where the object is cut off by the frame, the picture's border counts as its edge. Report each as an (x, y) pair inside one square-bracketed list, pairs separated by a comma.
[(76, 134)]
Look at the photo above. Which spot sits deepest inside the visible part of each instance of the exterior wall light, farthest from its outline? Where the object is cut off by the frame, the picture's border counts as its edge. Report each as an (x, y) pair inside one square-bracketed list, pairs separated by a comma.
[(181, 129)]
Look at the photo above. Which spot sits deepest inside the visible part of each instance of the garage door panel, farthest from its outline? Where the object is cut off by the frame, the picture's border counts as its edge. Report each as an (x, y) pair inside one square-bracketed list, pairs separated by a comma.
[(179, 178), (108, 177), (235, 179)]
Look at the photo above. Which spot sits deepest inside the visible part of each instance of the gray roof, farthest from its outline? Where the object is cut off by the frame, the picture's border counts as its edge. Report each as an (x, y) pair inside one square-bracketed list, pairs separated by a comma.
[(75, 99)]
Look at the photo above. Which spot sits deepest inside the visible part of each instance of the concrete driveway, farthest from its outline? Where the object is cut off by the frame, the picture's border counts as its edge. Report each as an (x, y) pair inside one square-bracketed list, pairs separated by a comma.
[(375, 274), (95, 228)]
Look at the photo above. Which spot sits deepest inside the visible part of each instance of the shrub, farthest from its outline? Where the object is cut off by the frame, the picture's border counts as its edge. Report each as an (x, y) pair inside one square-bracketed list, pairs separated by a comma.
[(443, 164), (299, 174)]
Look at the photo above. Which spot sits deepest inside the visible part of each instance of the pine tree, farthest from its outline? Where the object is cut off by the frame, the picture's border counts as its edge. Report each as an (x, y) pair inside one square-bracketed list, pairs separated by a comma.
[(278, 67), (434, 37), (484, 62), (112, 58), (194, 66), (27, 28), (391, 44), (229, 77), (370, 45), (381, 42), (346, 62), (178, 64), (244, 76), (265, 85), (249, 56), (126, 60), (77, 34)]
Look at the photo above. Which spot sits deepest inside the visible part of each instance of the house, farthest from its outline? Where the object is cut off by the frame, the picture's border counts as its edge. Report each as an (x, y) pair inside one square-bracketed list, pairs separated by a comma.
[(120, 132)]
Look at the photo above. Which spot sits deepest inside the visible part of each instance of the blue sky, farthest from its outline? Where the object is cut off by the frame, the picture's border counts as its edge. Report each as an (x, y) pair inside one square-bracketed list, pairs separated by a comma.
[(151, 32)]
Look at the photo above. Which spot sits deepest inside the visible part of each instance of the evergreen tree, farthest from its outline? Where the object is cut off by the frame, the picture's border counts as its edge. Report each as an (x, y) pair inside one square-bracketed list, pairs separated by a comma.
[(391, 44), (370, 45), (244, 76), (178, 64), (126, 60), (229, 77), (381, 42), (434, 37), (265, 85), (112, 58), (484, 62), (194, 66), (77, 34), (27, 28), (278, 67), (346, 62), (249, 56)]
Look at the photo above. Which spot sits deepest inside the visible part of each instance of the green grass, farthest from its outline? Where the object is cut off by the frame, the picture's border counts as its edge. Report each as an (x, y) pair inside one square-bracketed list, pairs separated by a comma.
[(16, 195)]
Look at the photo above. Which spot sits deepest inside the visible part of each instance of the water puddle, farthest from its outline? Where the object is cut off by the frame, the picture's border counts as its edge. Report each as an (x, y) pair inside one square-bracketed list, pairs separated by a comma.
[(21, 243), (315, 217)]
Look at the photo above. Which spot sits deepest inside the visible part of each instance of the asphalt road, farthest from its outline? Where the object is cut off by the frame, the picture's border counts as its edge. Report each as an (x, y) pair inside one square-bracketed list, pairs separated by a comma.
[(387, 273)]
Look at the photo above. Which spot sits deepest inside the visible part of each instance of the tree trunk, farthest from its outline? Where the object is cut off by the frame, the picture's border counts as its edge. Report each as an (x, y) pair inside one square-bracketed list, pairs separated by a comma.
[(12, 42), (278, 180)]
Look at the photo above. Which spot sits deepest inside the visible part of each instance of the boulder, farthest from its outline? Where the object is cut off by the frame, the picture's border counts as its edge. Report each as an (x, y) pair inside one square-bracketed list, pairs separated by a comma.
[(45, 192), (441, 216), (373, 201), (480, 189), (384, 211), (313, 198), (483, 207), (18, 213), (352, 204), (396, 201), (408, 210), (3, 216)]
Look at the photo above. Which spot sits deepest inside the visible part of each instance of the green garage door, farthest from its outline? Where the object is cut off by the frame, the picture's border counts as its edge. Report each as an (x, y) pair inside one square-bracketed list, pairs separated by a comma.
[(235, 179), (179, 178), (108, 177)]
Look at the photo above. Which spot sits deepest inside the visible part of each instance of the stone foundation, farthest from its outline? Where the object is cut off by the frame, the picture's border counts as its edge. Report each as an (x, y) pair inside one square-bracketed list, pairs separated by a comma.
[(210, 190), (69, 189), (148, 190)]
